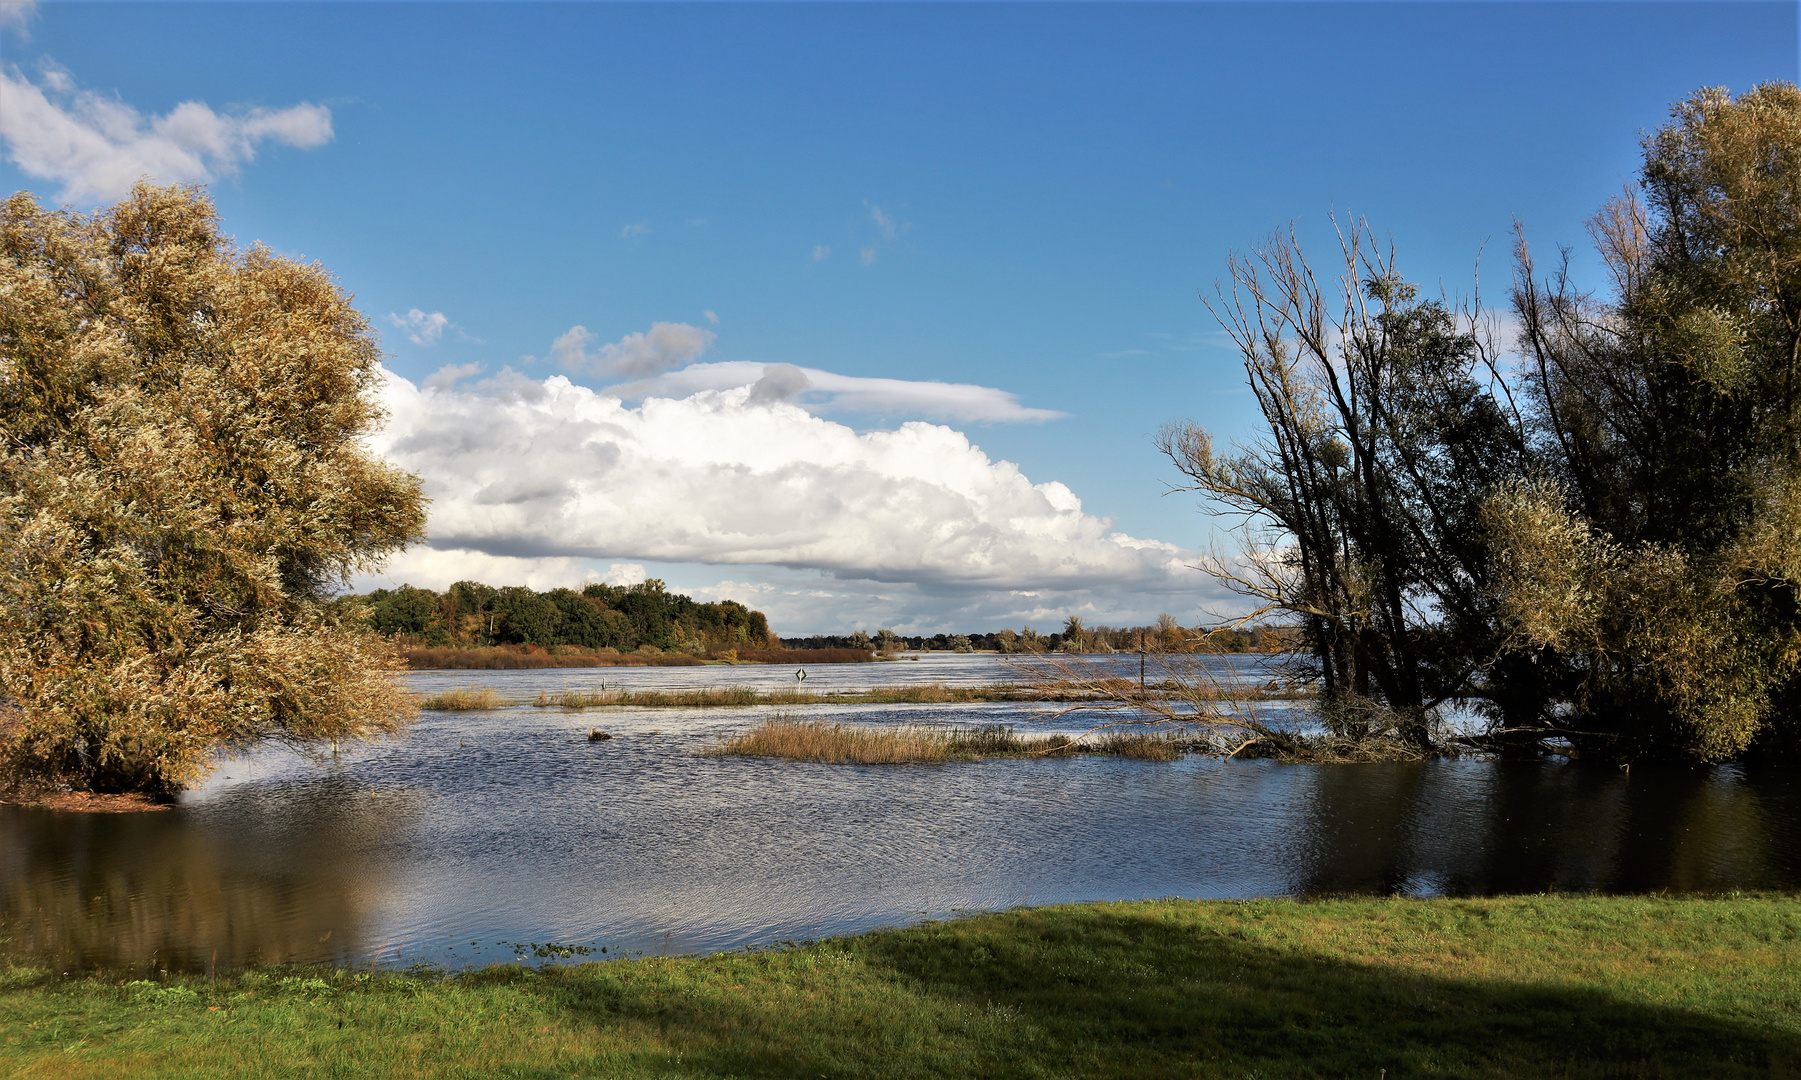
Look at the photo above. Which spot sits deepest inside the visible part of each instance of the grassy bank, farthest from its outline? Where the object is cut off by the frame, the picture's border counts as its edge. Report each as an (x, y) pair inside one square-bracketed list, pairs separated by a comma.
[(813, 740), (1516, 987)]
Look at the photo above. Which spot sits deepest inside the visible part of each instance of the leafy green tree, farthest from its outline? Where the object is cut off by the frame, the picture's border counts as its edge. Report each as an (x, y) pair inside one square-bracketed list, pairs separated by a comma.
[(526, 617), (183, 485), (406, 610)]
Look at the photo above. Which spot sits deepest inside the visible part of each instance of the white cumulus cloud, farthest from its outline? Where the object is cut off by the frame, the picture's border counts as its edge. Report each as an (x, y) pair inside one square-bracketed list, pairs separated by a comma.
[(96, 147), (663, 346), (560, 471), (420, 328), (825, 391)]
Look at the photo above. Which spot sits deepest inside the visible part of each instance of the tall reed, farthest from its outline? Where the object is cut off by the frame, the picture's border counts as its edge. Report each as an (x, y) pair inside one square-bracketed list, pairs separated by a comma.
[(463, 699), (818, 740)]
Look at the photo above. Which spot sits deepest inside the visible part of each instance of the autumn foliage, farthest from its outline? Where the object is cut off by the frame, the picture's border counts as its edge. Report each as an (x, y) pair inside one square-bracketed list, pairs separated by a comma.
[(183, 486)]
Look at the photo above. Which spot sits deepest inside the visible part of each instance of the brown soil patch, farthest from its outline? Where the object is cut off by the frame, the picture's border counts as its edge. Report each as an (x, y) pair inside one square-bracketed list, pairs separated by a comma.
[(87, 802)]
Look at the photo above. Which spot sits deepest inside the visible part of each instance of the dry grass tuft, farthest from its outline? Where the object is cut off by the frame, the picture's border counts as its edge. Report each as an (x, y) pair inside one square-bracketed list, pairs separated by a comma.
[(1156, 747), (463, 699), (818, 740)]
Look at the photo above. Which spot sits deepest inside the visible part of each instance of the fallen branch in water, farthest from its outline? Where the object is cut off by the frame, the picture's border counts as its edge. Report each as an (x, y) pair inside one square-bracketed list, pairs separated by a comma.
[(1195, 705)]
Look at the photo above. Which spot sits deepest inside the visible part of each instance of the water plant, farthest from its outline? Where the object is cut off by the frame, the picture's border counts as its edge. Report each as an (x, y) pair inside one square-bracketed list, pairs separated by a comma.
[(820, 740), (463, 699)]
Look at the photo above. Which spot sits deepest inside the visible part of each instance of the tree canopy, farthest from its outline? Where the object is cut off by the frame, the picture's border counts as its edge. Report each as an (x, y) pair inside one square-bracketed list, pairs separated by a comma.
[(1595, 541), (599, 616), (183, 487)]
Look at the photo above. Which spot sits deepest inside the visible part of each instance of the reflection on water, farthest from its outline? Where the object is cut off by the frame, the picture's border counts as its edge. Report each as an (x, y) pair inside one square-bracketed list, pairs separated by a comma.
[(480, 830), (257, 876)]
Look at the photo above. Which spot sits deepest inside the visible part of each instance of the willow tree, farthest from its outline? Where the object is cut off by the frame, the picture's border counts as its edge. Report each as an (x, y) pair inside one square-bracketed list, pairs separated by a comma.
[(183, 483), (1602, 544), (1653, 571), (1385, 423)]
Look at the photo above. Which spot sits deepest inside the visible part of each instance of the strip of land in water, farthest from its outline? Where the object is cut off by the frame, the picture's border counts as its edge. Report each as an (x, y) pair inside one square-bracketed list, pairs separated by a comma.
[(815, 740), (508, 657), (474, 698), (1511, 987)]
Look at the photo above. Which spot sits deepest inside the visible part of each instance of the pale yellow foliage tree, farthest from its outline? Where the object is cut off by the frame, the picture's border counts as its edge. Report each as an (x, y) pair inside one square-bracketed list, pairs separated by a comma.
[(183, 482), (1635, 617)]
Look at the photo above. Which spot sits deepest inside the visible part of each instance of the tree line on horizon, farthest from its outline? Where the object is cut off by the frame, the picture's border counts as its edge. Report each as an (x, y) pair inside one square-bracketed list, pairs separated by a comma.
[(625, 618), (1165, 636), (622, 618)]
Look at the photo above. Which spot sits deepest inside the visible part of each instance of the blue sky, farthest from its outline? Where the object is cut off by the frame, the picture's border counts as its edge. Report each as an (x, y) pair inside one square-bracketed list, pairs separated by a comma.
[(1024, 198)]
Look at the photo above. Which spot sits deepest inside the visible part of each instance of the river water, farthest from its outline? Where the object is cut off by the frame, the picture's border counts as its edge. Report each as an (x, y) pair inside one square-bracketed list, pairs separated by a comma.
[(478, 833)]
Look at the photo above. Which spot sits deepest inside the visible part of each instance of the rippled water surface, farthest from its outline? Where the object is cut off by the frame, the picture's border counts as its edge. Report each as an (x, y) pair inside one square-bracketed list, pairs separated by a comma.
[(480, 830)]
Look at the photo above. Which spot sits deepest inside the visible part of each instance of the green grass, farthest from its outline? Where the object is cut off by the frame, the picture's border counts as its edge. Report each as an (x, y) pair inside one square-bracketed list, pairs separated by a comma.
[(1514, 987)]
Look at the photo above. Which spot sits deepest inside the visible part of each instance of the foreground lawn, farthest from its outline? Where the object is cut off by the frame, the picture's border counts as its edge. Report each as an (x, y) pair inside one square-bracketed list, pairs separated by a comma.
[(1526, 987)]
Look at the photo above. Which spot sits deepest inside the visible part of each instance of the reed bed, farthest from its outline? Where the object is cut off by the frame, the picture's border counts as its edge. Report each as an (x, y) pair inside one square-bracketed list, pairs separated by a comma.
[(501, 659), (463, 699), (1157, 746), (823, 741)]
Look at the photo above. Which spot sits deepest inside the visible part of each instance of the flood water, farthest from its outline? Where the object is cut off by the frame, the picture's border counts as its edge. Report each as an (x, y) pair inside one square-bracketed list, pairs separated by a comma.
[(480, 831)]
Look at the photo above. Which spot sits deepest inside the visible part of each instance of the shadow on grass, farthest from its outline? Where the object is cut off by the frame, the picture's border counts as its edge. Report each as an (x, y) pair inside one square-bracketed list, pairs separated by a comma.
[(1063, 992)]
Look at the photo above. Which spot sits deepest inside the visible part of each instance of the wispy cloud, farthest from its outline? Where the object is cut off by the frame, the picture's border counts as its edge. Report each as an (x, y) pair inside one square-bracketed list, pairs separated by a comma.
[(96, 147), (820, 251), (636, 228), (712, 317), (829, 392), (883, 222), (450, 374), (887, 228), (420, 328), (663, 346), (16, 15)]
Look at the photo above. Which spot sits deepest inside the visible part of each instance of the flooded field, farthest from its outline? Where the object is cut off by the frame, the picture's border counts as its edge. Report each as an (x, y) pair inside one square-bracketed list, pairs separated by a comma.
[(481, 833)]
